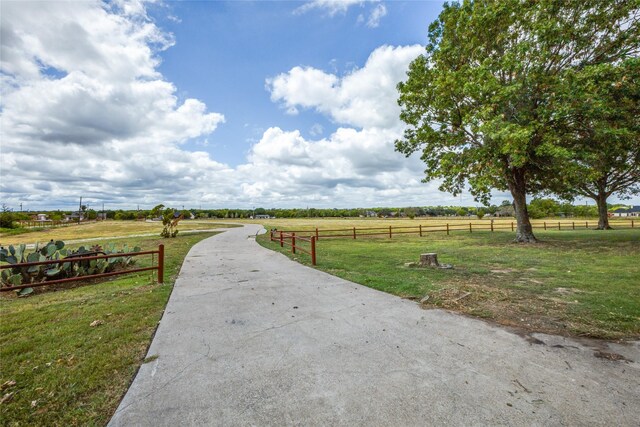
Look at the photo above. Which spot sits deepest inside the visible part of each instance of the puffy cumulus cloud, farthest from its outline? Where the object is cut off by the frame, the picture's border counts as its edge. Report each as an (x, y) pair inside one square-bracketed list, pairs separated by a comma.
[(349, 168), (364, 98), (357, 164), (85, 111)]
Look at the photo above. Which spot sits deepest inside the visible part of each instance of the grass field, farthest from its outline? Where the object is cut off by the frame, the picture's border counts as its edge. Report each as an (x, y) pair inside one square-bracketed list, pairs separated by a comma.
[(341, 223), (99, 229), (582, 282), (57, 369)]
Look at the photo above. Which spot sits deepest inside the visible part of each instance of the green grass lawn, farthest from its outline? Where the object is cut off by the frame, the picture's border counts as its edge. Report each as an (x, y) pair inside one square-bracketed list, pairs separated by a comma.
[(584, 283), (67, 372)]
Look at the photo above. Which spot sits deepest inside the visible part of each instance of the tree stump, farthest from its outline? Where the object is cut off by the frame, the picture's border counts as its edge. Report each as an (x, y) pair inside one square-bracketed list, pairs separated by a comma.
[(429, 260)]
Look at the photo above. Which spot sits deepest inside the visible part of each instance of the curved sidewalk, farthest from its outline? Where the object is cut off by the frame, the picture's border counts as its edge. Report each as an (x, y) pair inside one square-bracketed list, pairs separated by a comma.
[(250, 337)]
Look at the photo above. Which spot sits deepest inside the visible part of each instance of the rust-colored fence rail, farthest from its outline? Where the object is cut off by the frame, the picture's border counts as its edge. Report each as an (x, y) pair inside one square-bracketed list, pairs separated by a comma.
[(159, 266), (290, 239), (421, 230)]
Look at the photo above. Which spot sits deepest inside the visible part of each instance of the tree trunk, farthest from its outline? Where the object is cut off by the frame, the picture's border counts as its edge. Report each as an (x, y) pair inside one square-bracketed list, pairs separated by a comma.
[(603, 213), (429, 260), (518, 188)]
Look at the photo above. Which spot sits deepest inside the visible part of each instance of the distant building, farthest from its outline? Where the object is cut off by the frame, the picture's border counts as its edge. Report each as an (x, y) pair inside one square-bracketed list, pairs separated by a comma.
[(262, 217), (634, 211), (74, 217), (42, 217)]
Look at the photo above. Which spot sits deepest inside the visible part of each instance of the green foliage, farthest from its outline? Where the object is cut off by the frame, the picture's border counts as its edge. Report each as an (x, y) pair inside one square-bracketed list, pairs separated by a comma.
[(170, 219), (484, 105), (603, 101), (462, 212), (56, 216), (411, 212), (91, 214), (541, 208), (481, 212), (19, 275), (7, 218)]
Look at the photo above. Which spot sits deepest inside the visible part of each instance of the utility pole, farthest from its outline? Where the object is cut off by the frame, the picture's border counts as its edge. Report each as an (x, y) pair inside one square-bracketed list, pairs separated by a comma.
[(79, 209)]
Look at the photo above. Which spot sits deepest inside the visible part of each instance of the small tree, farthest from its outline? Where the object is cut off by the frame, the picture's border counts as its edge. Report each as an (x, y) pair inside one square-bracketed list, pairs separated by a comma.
[(7, 217), (480, 213), (170, 220)]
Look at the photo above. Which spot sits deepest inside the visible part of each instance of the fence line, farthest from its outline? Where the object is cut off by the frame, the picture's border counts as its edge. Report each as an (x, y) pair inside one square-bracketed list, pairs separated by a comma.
[(290, 239), (159, 267), (421, 229)]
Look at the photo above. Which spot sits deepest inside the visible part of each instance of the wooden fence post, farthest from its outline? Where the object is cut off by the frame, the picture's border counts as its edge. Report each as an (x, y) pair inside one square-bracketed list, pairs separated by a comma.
[(420, 226), (389, 231), (281, 240), (573, 224), (447, 229), (631, 223), (511, 225), (545, 225), (313, 250), (354, 233), (586, 224), (470, 230), (492, 226), (558, 225), (293, 243), (160, 264)]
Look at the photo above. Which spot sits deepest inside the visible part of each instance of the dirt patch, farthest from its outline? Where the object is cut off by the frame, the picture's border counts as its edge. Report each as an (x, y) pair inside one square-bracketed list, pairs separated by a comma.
[(522, 308)]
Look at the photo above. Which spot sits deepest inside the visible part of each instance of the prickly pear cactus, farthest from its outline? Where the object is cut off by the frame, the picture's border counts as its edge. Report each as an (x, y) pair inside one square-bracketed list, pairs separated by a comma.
[(54, 251)]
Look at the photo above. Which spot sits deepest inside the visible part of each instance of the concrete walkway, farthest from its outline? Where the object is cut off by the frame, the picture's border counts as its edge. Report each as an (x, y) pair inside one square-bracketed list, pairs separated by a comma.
[(252, 338)]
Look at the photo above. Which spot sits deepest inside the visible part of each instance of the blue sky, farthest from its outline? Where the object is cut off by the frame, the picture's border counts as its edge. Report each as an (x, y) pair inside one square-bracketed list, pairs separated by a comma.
[(215, 104), (224, 51)]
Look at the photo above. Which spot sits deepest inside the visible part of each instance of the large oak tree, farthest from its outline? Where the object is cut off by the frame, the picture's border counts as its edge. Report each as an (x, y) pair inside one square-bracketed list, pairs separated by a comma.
[(482, 103)]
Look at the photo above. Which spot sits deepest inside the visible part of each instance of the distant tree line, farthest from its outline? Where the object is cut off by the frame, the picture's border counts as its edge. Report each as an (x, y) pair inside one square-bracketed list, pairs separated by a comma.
[(538, 208)]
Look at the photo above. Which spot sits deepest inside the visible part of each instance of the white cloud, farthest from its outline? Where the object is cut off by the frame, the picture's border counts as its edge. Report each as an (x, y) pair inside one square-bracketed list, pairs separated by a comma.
[(340, 7), (85, 111), (376, 15), (364, 98), (332, 7), (347, 168)]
